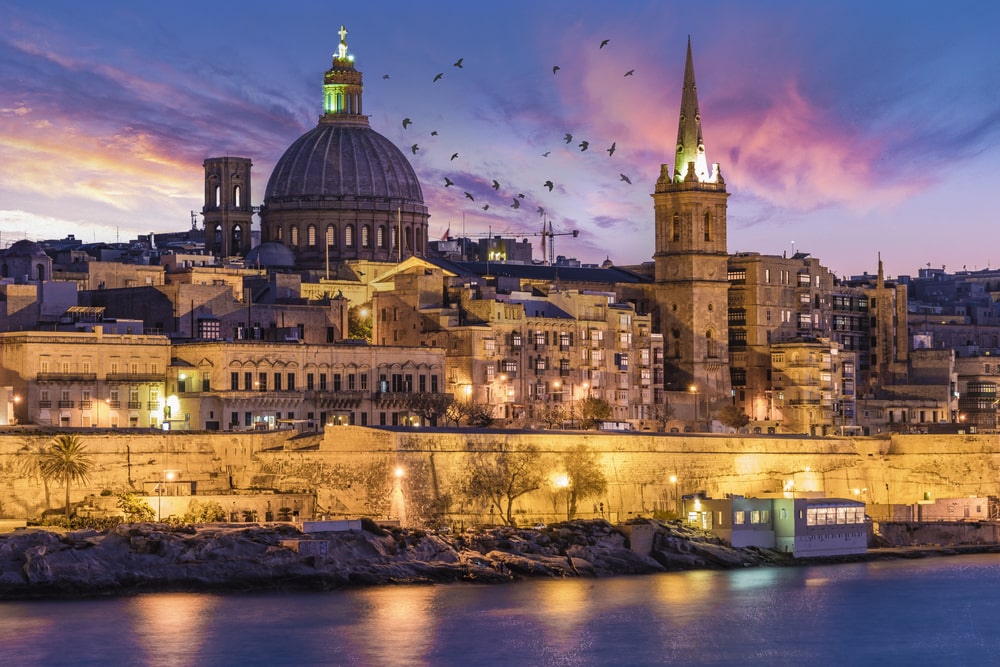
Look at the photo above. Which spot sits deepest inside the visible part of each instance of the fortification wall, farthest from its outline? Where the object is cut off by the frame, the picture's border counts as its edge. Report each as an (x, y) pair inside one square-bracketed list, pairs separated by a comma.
[(351, 469)]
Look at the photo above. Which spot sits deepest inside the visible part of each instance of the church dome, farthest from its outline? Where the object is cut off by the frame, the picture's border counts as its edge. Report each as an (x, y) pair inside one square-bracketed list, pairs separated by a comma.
[(339, 160), (25, 248)]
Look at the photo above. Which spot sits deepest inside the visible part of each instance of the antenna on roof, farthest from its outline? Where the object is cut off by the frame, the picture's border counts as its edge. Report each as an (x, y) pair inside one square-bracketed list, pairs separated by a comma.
[(194, 221)]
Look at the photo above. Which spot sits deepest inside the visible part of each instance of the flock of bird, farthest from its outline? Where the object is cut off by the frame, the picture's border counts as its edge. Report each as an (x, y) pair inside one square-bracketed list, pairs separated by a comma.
[(583, 145)]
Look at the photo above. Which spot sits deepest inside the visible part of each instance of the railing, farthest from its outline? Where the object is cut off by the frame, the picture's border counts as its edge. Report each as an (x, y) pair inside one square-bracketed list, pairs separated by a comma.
[(86, 405), (67, 377), (135, 405), (135, 377), (114, 404), (45, 404), (153, 405), (65, 404)]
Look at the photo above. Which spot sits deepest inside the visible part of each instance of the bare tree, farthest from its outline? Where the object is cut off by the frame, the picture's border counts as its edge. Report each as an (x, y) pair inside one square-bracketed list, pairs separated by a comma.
[(500, 473), (429, 406), (551, 414)]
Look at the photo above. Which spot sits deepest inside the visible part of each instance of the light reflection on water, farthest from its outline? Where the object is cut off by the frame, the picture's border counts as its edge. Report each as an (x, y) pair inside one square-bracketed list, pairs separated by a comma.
[(935, 611)]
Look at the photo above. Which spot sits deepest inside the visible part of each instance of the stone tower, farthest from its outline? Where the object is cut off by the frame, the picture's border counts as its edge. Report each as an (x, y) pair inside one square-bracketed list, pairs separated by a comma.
[(691, 263), (227, 210)]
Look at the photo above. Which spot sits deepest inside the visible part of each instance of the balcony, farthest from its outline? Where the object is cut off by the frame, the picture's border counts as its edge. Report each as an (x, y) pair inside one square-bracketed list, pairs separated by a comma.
[(67, 377), (135, 377), (45, 404), (114, 404), (86, 405), (65, 404), (135, 405), (153, 405)]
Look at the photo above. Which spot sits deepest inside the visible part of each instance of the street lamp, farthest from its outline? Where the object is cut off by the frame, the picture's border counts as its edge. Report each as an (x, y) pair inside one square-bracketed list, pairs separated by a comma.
[(694, 392), (168, 476)]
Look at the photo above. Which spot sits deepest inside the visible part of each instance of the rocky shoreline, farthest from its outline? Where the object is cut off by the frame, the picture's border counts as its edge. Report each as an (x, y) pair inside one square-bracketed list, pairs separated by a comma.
[(136, 558)]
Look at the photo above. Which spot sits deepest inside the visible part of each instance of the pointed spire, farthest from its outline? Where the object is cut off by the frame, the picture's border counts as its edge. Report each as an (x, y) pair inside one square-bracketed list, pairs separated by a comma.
[(690, 144)]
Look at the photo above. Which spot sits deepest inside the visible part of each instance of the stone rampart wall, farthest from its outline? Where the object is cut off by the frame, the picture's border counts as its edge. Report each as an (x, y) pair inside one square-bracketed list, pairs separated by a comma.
[(351, 469)]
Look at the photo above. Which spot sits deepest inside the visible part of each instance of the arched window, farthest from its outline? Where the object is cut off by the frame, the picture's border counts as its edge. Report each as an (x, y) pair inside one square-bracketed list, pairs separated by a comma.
[(675, 231), (218, 195), (366, 233), (708, 226), (311, 236), (408, 238), (711, 345), (294, 232), (281, 234), (331, 236), (420, 242), (236, 196), (237, 239), (349, 236), (217, 236), (394, 240), (380, 236)]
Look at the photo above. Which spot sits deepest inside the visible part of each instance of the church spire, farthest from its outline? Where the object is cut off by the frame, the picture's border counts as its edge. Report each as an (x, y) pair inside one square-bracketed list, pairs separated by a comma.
[(690, 144), (342, 88)]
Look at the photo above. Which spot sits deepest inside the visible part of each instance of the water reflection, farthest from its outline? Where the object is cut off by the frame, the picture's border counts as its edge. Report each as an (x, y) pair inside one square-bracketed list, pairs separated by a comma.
[(171, 628), (396, 626)]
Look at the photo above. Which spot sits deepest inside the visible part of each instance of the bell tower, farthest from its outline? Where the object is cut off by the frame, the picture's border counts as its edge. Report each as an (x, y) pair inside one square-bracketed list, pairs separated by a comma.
[(227, 210), (691, 262)]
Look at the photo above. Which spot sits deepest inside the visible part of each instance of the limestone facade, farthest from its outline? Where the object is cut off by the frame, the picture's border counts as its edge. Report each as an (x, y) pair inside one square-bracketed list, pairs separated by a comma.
[(255, 385), (86, 379)]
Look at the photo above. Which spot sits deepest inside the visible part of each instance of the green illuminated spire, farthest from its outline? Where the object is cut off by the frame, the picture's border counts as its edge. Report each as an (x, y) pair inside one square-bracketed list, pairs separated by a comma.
[(342, 88), (690, 144)]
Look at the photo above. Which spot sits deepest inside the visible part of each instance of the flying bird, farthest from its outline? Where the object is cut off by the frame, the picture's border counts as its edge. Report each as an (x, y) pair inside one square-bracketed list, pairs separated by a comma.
[(458, 63), (486, 207), (414, 148), (516, 204), (438, 76), (555, 68), (454, 155), (604, 43), (547, 184), (448, 182), (496, 184), (584, 145), (468, 196), (569, 138), (625, 178), (385, 76), (434, 133), (406, 123), (630, 72), (520, 195), (546, 153), (541, 211), (611, 151)]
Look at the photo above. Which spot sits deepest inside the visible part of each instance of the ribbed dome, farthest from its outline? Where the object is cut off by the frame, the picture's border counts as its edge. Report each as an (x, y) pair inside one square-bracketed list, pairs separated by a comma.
[(342, 160)]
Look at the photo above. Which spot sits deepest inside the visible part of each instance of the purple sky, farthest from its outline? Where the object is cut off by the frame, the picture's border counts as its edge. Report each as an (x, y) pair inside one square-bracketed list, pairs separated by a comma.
[(843, 129)]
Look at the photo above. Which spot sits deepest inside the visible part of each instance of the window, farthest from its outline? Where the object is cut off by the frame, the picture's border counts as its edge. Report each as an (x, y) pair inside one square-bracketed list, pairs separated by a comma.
[(737, 275), (380, 236), (675, 228), (291, 381), (277, 381), (739, 518), (708, 226), (365, 236), (331, 236), (349, 236), (310, 381), (294, 234), (515, 339), (237, 196), (311, 235), (322, 381)]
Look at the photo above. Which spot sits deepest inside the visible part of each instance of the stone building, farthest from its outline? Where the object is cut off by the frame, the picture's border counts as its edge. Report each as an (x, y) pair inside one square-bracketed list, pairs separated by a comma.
[(228, 211), (813, 387), (255, 385), (343, 191), (86, 378), (522, 352)]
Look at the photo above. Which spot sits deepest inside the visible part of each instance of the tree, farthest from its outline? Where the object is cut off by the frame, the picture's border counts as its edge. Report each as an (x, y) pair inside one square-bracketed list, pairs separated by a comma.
[(500, 473), (733, 417), (552, 414), (475, 414), (134, 508), (206, 512), (662, 414), (66, 459), (429, 406), (584, 474), (359, 321), (593, 411)]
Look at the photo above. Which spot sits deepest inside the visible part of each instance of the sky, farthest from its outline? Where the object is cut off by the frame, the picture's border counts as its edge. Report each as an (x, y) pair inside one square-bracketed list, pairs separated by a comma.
[(848, 130)]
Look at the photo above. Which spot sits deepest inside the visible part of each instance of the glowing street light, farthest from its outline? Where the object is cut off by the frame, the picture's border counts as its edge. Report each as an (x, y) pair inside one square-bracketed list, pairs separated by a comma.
[(694, 392), (562, 482)]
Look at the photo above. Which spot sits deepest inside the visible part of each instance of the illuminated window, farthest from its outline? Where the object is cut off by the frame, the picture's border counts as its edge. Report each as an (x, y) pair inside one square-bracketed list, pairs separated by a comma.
[(739, 518), (311, 235), (366, 236), (236, 196), (294, 235), (218, 195), (331, 236), (349, 236), (675, 232), (380, 236)]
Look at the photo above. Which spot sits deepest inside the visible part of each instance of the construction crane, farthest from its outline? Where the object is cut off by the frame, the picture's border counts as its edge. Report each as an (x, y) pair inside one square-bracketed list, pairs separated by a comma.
[(550, 235)]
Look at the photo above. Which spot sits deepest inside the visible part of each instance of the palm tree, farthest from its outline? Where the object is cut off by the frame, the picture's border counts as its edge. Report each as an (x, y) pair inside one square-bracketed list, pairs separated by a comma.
[(66, 458)]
